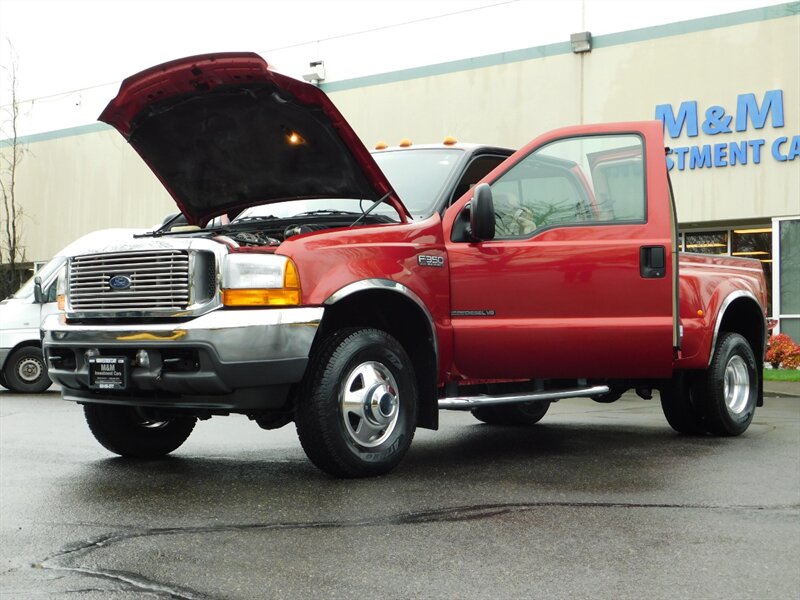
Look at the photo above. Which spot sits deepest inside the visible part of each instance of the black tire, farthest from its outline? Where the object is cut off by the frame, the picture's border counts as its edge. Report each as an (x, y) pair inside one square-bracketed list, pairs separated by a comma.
[(26, 372), (728, 390), (679, 407), (356, 410), (526, 413), (3, 380), (131, 432)]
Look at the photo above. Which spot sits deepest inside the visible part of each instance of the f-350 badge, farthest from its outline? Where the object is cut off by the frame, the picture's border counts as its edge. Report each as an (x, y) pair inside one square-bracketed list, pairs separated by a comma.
[(427, 260)]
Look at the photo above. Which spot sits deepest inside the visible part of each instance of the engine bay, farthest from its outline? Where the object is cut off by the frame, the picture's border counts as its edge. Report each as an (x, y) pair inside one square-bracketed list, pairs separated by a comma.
[(272, 231)]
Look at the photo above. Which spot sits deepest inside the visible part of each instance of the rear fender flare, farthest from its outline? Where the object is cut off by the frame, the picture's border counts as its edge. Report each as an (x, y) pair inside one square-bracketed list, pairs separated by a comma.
[(726, 304)]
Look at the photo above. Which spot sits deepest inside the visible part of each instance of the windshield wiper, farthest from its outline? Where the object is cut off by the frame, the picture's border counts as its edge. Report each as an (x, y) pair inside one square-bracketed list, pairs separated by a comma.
[(324, 211), (258, 218)]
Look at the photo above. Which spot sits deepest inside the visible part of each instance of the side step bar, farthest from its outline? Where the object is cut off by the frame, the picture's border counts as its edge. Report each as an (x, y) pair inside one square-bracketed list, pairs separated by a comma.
[(472, 402)]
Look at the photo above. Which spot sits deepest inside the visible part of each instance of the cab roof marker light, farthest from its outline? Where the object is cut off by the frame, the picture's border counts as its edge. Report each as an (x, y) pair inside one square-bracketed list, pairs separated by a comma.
[(405, 143), (381, 145), (450, 141)]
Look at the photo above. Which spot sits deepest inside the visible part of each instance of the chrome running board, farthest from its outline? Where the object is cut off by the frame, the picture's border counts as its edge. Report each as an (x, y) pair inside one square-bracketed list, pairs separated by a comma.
[(472, 402)]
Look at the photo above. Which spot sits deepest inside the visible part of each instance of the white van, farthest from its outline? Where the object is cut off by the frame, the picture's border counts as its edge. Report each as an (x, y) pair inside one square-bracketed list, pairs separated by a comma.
[(22, 368)]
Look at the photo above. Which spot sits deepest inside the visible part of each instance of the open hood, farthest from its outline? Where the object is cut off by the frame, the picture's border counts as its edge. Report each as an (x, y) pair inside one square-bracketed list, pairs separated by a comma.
[(223, 132)]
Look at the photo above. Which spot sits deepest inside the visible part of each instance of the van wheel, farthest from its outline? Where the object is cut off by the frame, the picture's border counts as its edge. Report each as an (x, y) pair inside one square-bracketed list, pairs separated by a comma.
[(134, 432), (26, 372), (526, 413), (728, 389), (678, 406), (357, 406)]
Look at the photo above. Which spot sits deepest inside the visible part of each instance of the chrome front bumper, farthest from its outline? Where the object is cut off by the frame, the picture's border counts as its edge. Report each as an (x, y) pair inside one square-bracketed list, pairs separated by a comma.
[(225, 359)]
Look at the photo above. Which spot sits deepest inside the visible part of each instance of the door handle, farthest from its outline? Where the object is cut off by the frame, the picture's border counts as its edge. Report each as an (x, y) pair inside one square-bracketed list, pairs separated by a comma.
[(652, 262)]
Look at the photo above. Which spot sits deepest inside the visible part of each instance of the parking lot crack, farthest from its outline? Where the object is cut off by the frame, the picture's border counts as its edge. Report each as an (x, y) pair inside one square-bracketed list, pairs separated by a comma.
[(60, 560)]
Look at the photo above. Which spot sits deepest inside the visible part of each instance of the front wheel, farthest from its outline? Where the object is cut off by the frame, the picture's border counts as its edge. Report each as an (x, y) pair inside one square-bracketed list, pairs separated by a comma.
[(728, 390), (356, 411), (525, 413), (132, 432), (25, 371)]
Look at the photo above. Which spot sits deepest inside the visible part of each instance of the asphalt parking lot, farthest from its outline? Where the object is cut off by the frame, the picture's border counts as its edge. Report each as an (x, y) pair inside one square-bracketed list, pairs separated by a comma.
[(597, 501)]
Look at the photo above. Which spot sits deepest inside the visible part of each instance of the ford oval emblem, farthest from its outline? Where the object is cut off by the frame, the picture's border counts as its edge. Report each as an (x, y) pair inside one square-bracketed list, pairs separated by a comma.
[(119, 282)]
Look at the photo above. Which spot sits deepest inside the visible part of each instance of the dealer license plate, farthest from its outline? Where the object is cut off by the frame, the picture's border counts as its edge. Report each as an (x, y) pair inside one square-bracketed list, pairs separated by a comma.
[(108, 372)]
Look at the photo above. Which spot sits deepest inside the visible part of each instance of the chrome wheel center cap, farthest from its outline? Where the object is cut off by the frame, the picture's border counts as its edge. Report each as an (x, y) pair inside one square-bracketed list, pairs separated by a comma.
[(380, 404), (370, 404)]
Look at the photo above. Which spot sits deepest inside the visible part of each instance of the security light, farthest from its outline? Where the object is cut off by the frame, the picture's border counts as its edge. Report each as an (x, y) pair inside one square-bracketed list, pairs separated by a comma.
[(317, 73), (581, 42)]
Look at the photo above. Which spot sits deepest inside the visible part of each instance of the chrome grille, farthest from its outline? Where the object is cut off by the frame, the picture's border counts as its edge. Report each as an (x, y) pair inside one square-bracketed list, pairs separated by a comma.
[(159, 280)]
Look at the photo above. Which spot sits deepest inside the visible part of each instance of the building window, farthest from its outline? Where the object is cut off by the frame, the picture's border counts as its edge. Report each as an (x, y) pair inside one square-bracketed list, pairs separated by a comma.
[(755, 243), (707, 242), (789, 278), (751, 242)]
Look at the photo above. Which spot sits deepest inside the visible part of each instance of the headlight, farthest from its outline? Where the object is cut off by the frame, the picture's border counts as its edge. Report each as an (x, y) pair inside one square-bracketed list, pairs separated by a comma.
[(61, 288), (259, 280)]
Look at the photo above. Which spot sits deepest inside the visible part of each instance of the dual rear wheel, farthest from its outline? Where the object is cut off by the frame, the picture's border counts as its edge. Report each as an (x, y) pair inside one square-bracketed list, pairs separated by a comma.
[(720, 400), (358, 411), (137, 432), (521, 414)]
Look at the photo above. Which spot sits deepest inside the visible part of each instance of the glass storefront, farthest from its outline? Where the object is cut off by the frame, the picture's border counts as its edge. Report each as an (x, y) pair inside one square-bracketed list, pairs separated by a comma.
[(777, 243), (788, 281), (706, 242), (747, 242)]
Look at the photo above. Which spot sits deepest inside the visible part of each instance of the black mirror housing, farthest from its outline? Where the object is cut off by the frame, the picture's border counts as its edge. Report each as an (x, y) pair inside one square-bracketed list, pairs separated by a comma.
[(38, 293), (481, 218)]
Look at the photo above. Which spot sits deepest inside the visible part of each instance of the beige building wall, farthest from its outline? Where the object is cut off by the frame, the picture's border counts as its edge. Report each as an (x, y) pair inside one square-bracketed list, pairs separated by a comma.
[(504, 105), (712, 67), (510, 104), (71, 184)]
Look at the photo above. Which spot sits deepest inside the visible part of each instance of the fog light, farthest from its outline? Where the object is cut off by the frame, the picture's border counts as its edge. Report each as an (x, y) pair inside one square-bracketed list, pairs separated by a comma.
[(142, 359)]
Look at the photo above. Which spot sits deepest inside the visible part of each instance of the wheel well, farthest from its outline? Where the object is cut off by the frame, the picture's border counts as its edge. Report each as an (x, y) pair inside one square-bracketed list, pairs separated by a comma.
[(404, 320), (744, 317), (22, 344)]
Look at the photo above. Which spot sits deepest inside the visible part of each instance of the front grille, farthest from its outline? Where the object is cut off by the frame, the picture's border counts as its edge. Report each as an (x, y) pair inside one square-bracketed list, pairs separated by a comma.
[(159, 280)]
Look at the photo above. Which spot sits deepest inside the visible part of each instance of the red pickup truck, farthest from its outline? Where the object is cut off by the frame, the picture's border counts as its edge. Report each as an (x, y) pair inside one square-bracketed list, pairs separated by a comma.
[(358, 294)]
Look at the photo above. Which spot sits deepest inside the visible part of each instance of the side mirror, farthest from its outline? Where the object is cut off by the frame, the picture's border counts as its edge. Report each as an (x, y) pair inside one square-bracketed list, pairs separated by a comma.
[(481, 218), (173, 220), (38, 294)]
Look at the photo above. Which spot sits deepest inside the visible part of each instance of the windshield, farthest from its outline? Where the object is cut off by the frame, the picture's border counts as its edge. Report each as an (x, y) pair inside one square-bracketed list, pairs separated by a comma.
[(419, 175), (47, 273)]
